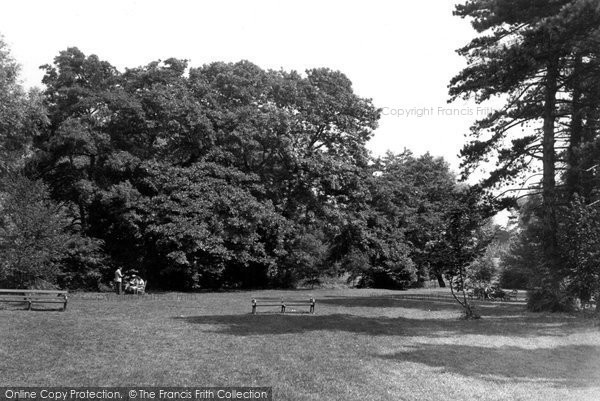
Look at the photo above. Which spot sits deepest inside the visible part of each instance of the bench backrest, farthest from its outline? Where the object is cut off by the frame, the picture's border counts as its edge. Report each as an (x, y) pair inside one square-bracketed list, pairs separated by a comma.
[(33, 292), (298, 300), (282, 300)]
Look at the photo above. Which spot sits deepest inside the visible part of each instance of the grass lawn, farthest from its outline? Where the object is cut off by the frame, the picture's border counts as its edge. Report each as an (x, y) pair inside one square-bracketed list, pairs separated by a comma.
[(360, 345)]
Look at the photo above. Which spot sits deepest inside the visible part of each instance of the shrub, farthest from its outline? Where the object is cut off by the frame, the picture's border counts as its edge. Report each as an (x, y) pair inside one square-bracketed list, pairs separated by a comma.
[(545, 300)]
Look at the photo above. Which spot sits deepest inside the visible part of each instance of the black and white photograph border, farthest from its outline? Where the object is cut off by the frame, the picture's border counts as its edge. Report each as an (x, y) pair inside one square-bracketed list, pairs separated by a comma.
[(300, 200)]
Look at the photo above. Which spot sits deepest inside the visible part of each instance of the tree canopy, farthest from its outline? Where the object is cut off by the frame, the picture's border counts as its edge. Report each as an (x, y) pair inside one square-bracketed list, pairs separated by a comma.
[(227, 175)]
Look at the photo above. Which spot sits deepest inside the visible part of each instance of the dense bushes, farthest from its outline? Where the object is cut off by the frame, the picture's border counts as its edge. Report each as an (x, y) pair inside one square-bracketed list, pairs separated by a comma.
[(577, 279)]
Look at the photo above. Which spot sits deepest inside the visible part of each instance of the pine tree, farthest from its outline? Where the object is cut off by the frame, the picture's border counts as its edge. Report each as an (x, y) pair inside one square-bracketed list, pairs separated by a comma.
[(536, 56)]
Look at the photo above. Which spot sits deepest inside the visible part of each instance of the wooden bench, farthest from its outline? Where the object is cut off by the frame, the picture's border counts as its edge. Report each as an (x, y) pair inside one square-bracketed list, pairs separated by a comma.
[(35, 297), (282, 303)]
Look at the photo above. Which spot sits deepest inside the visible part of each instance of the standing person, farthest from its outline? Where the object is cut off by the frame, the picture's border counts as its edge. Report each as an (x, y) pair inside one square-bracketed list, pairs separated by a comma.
[(118, 279)]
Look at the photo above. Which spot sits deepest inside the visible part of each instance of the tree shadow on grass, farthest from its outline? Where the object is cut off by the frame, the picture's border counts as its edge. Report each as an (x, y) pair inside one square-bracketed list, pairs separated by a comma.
[(381, 301), (417, 301), (561, 366), (36, 308), (422, 305), (276, 324)]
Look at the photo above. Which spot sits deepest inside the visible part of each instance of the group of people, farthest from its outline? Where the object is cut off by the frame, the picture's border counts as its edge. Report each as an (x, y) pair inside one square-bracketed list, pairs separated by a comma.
[(490, 293), (134, 284)]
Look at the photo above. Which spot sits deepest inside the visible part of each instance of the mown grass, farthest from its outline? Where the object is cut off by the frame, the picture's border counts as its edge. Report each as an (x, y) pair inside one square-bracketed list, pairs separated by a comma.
[(360, 345)]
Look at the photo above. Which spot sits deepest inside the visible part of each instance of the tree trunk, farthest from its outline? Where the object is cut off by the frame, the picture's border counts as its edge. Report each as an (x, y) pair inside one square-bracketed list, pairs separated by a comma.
[(440, 280), (549, 240), (469, 312), (573, 176)]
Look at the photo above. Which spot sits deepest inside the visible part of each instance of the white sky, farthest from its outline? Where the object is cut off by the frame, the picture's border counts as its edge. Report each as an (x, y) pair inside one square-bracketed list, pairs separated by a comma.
[(399, 53)]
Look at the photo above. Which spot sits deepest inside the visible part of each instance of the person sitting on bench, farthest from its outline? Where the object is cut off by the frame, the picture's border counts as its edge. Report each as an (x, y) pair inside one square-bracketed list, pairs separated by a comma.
[(134, 285)]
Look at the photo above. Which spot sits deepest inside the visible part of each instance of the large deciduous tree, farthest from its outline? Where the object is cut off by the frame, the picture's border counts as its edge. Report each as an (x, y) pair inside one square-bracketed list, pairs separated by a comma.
[(117, 141), (38, 242)]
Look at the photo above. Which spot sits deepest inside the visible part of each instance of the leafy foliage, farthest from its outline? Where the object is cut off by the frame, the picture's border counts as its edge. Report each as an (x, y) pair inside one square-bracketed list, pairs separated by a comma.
[(466, 236), (32, 233), (482, 270), (205, 225), (222, 176), (580, 244), (543, 299), (579, 240), (22, 115), (196, 177)]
